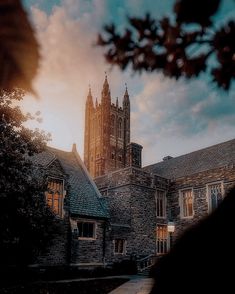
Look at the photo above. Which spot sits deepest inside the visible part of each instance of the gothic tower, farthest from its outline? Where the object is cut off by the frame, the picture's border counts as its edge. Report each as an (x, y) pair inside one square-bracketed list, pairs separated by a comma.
[(107, 144)]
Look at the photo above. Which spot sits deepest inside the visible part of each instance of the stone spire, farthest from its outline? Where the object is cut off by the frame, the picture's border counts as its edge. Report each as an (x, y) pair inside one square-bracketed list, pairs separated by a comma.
[(89, 99), (126, 100), (106, 91), (117, 102)]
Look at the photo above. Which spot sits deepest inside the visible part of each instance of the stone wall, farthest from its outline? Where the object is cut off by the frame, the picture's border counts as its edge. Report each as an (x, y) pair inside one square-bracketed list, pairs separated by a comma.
[(89, 251), (57, 252), (130, 194), (199, 183)]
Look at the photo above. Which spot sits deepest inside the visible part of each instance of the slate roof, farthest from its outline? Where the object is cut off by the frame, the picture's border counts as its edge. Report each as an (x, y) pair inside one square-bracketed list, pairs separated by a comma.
[(212, 157), (85, 198)]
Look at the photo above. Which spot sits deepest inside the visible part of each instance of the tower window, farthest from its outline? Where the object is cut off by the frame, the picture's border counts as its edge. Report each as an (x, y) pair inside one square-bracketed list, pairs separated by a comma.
[(112, 125), (120, 128)]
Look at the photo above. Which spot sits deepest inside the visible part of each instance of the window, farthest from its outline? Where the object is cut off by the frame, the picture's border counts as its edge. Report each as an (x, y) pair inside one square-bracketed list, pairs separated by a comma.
[(214, 192), (162, 237), (186, 203), (161, 203), (86, 230), (54, 196), (119, 246), (120, 128), (112, 124)]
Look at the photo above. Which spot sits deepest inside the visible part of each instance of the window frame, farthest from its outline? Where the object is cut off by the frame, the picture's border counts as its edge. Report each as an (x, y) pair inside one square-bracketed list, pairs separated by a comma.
[(165, 204), (164, 241), (94, 230), (61, 199), (181, 203), (124, 246), (207, 194)]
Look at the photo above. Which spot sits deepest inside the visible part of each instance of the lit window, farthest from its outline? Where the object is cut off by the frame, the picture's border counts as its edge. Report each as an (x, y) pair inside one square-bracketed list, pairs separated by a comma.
[(162, 237), (161, 203), (119, 246), (86, 230), (214, 195), (186, 203), (54, 196)]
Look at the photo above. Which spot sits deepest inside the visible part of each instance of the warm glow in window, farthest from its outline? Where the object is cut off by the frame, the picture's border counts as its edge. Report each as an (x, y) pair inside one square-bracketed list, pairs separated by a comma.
[(54, 196), (162, 236), (186, 205)]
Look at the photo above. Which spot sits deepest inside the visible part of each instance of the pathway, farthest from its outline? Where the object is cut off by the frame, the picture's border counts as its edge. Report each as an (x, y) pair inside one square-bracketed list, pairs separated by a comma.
[(137, 285)]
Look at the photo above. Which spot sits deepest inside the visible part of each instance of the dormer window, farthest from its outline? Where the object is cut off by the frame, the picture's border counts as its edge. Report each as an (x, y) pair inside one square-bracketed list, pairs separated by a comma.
[(55, 195)]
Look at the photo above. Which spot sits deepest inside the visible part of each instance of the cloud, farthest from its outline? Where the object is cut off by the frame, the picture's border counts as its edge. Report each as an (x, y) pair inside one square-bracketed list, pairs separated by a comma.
[(168, 117), (181, 111)]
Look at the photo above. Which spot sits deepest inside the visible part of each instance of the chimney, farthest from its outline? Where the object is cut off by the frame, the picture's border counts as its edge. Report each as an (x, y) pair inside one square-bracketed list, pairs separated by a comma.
[(168, 157), (74, 148)]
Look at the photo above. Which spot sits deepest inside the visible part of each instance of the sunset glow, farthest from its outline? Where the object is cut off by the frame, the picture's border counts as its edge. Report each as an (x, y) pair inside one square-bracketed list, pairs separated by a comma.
[(167, 117)]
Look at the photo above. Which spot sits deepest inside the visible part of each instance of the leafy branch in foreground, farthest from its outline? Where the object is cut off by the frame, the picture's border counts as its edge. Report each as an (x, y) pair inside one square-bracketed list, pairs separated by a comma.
[(185, 46)]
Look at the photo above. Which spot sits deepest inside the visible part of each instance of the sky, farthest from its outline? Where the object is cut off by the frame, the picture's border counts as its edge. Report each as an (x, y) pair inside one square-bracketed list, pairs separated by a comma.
[(168, 117)]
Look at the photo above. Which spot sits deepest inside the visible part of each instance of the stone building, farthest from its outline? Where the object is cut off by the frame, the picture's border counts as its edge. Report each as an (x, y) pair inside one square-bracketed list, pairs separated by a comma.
[(124, 211), (79, 208), (143, 201)]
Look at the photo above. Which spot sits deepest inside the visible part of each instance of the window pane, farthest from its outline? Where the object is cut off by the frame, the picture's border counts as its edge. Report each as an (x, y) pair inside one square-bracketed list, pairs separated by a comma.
[(161, 203), (119, 246), (162, 236), (55, 195), (86, 229), (187, 203), (215, 195)]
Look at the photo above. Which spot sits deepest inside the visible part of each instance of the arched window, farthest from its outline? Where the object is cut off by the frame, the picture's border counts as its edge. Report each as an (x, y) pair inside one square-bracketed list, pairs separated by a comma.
[(120, 128), (112, 125)]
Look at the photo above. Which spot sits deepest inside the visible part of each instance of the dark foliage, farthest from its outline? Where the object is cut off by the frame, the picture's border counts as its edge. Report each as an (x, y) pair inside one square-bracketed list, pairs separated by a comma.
[(177, 48), (19, 54), (94, 286), (26, 223), (202, 260)]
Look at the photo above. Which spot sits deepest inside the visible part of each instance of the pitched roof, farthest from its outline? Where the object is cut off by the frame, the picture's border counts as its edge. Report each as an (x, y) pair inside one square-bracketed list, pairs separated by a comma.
[(85, 198), (212, 157)]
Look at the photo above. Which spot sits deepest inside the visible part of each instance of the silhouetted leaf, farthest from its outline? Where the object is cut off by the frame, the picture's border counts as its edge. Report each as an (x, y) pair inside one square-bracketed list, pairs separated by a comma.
[(18, 47)]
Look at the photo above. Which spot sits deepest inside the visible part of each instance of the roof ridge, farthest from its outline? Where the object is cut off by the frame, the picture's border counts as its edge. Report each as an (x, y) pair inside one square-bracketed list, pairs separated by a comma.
[(192, 152)]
